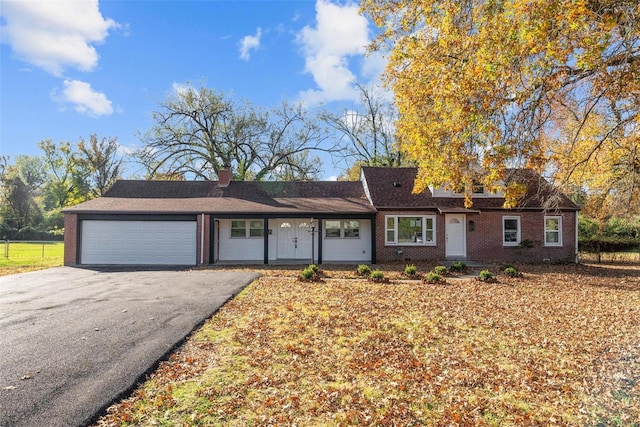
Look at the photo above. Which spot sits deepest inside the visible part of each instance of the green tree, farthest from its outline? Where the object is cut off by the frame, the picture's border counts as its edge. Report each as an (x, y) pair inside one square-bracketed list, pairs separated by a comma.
[(66, 184), (18, 208), (199, 132), (478, 84)]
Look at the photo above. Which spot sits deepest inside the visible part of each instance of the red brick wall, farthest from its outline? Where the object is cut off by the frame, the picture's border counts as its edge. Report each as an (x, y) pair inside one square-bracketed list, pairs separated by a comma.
[(386, 253), (207, 239), (70, 239), (484, 243)]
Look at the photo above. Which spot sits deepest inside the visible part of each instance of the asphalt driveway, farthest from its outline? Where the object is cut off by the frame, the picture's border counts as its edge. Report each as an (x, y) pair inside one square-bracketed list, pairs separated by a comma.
[(73, 340)]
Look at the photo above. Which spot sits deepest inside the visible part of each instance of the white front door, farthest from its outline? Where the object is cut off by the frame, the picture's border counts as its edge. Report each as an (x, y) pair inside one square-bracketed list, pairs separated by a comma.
[(455, 236), (294, 239)]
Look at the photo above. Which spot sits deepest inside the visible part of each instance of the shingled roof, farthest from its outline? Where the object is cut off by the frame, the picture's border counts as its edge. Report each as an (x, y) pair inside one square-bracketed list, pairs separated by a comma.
[(392, 188), (239, 197)]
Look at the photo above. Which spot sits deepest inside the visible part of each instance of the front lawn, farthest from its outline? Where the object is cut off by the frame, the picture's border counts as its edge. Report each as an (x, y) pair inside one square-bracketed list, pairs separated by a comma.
[(20, 257), (560, 346)]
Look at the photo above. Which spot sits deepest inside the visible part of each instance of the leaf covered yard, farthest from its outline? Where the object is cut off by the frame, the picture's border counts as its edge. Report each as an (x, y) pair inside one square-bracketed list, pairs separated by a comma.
[(559, 346)]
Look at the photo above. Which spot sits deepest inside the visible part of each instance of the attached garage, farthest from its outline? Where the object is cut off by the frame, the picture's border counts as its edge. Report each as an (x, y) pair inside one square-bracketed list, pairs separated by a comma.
[(142, 242)]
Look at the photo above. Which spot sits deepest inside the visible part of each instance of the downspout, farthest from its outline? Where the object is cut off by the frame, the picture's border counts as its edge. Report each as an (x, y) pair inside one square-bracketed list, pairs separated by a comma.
[(202, 239)]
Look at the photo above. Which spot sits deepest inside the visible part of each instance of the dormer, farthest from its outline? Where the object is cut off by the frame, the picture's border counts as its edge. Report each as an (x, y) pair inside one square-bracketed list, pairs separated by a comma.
[(479, 190)]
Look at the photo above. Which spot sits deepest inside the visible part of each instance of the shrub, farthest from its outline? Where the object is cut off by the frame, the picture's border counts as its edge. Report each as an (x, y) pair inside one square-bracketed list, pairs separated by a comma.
[(313, 268), (485, 275), (307, 274), (376, 275), (410, 270), (440, 269), (433, 277), (458, 266), (363, 270), (511, 272)]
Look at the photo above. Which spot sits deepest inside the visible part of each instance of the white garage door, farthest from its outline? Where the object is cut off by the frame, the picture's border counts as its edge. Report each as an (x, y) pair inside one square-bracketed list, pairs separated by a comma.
[(138, 242)]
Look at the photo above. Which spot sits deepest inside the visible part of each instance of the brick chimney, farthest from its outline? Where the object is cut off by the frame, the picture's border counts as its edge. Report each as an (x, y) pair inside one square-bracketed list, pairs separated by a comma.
[(224, 177)]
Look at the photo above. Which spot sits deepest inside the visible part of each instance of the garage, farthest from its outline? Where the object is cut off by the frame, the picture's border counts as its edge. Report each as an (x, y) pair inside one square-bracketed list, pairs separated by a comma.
[(117, 242)]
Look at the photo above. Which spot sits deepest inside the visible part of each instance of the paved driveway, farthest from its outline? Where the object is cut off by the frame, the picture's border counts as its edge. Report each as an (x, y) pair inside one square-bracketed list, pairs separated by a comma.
[(73, 340)]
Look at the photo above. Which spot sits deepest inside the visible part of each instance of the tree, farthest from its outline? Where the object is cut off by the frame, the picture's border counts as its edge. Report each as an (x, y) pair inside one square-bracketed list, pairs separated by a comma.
[(101, 162), (367, 133), (66, 183), (18, 207), (478, 83), (199, 132)]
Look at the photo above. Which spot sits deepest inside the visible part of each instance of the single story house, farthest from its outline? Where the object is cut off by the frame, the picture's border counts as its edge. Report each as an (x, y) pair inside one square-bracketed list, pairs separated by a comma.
[(376, 219)]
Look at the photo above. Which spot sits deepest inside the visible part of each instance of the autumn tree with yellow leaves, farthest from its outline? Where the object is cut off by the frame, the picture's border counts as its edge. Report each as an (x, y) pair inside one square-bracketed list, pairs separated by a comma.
[(486, 85)]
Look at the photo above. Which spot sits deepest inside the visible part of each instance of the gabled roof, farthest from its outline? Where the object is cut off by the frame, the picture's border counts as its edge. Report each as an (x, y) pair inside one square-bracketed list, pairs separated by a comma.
[(392, 188), (239, 197)]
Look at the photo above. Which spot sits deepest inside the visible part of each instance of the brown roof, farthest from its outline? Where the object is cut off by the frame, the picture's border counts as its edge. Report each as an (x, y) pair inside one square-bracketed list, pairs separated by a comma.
[(240, 197), (392, 188)]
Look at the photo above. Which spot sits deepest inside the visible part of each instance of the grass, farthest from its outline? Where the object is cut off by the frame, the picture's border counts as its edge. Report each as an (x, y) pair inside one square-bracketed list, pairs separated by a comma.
[(30, 256), (556, 347)]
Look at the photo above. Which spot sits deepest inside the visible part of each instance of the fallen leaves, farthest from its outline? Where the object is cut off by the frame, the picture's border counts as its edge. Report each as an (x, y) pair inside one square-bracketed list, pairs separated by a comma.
[(560, 347)]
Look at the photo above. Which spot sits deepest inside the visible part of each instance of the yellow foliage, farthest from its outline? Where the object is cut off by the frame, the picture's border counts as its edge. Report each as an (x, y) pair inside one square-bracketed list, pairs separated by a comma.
[(479, 83)]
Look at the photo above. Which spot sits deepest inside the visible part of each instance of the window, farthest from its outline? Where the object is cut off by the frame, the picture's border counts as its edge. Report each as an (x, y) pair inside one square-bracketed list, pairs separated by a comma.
[(553, 231), (410, 230), (510, 230), (478, 188), (332, 229), (256, 228), (351, 229), (239, 228), (347, 229)]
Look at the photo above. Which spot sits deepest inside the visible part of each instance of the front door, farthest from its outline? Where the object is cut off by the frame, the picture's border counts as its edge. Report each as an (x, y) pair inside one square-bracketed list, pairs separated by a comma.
[(455, 236), (294, 239)]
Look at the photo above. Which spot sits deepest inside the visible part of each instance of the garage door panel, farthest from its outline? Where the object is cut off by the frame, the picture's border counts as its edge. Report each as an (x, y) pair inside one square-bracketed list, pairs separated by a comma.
[(138, 242)]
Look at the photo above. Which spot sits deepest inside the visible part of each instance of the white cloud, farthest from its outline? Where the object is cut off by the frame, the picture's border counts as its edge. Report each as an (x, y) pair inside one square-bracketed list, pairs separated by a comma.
[(54, 35), (84, 99), (249, 43), (340, 33)]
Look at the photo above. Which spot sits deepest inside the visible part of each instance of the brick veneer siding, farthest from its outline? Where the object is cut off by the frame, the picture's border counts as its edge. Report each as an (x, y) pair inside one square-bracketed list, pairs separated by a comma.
[(484, 242), (207, 239), (386, 253), (70, 239)]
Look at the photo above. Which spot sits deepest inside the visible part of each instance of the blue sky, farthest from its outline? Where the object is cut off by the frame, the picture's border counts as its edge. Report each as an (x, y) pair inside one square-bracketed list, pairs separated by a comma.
[(69, 69)]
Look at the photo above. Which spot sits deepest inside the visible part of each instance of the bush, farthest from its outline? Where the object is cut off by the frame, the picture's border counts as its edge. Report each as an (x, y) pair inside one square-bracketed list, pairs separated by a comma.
[(433, 277), (363, 270), (485, 275), (313, 268), (511, 272), (410, 270), (376, 275), (307, 274), (440, 270), (608, 244), (458, 266)]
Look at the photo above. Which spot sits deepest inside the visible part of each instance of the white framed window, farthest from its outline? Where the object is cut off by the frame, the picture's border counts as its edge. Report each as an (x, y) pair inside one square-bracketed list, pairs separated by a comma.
[(256, 228), (242, 229), (351, 229), (553, 231), (410, 230), (346, 229), (510, 230)]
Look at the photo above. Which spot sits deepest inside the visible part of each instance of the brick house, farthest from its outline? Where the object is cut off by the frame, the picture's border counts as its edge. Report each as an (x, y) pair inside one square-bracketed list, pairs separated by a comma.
[(377, 219)]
